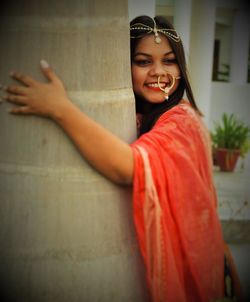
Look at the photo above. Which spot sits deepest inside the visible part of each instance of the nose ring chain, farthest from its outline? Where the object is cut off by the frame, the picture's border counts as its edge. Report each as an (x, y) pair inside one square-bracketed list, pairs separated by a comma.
[(168, 88)]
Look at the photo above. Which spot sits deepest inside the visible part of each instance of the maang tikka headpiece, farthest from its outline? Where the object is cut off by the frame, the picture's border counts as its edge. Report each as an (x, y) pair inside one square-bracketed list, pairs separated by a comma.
[(145, 29)]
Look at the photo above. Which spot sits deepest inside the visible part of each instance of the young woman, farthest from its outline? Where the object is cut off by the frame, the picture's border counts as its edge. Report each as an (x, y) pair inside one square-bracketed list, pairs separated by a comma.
[(169, 165)]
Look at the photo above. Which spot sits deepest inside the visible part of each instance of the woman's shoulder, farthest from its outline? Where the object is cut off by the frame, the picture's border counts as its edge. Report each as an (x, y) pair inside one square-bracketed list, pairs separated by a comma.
[(179, 113), (182, 118)]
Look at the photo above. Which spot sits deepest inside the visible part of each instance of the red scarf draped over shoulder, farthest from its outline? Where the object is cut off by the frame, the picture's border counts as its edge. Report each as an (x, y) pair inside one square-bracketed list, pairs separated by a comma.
[(174, 204)]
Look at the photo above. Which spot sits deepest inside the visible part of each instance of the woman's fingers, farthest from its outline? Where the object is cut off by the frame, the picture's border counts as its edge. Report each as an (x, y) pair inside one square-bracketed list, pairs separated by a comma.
[(13, 98), (48, 72), (23, 78), (21, 90), (20, 110)]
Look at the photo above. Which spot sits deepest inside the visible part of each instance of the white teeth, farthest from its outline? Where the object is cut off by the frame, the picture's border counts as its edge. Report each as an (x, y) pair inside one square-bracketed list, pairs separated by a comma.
[(156, 85)]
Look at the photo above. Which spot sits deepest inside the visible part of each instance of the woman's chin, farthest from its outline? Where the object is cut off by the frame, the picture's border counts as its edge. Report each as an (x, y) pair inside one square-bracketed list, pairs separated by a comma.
[(155, 100)]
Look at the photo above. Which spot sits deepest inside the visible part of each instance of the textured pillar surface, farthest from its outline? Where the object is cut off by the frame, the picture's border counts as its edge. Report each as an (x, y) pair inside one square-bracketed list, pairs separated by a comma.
[(66, 233)]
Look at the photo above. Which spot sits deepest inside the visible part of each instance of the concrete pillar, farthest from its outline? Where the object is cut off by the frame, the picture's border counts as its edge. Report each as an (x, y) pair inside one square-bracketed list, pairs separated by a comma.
[(182, 22), (201, 52), (240, 47), (66, 233)]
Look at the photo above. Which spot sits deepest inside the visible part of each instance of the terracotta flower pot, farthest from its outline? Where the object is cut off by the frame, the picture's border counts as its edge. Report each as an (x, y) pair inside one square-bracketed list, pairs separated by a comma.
[(226, 159)]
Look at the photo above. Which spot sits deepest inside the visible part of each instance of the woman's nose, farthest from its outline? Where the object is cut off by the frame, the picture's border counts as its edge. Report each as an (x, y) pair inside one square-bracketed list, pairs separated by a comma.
[(158, 70)]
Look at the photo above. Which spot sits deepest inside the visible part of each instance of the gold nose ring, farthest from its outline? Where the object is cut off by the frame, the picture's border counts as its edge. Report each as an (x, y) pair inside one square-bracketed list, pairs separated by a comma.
[(168, 88)]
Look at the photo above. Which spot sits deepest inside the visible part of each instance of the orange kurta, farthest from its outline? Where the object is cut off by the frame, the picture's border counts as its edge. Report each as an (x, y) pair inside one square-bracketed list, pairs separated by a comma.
[(174, 201)]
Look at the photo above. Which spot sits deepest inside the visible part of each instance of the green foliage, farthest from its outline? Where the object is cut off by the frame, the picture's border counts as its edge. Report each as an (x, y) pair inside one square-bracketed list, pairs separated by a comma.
[(231, 133)]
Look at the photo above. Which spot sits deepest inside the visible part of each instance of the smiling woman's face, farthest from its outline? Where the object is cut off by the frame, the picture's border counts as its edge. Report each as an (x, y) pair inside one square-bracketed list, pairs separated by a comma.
[(150, 61)]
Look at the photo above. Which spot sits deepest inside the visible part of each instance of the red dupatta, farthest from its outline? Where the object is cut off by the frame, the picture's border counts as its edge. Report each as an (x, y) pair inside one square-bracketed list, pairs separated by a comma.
[(174, 202)]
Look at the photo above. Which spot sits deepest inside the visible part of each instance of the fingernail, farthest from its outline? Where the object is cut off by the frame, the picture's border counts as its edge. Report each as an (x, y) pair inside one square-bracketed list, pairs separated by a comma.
[(44, 63), (11, 73)]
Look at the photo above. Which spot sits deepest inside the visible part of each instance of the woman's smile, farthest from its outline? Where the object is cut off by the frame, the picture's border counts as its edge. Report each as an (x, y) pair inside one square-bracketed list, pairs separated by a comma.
[(155, 87)]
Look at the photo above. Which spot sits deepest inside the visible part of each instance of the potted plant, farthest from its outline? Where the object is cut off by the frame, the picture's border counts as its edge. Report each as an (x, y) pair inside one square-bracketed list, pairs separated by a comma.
[(231, 140)]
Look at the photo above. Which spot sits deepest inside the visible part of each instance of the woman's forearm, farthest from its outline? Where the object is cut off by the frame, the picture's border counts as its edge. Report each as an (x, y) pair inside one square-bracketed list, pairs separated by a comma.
[(108, 154)]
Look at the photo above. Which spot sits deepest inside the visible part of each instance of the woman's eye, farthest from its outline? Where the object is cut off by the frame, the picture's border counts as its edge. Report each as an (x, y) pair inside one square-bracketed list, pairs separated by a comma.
[(142, 62), (170, 61)]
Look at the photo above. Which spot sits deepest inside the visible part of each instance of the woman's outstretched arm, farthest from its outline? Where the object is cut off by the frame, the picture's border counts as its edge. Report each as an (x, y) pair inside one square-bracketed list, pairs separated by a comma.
[(104, 151), (108, 154)]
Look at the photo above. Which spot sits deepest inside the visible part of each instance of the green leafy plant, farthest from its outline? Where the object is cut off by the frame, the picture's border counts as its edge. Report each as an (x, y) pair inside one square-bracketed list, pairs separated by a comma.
[(231, 133)]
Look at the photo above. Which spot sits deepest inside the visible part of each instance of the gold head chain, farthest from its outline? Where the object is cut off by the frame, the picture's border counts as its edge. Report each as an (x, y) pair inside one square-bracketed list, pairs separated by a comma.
[(170, 33)]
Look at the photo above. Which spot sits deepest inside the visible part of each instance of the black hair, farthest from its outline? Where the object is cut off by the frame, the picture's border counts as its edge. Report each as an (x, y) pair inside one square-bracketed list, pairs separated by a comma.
[(151, 112)]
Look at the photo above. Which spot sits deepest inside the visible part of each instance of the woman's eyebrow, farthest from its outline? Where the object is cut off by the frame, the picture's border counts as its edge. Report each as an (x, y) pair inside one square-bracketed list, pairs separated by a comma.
[(142, 54), (148, 55), (169, 53)]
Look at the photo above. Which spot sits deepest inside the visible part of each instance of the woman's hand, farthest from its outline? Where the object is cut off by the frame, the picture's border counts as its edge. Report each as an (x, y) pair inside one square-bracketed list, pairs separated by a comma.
[(94, 142), (34, 97)]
